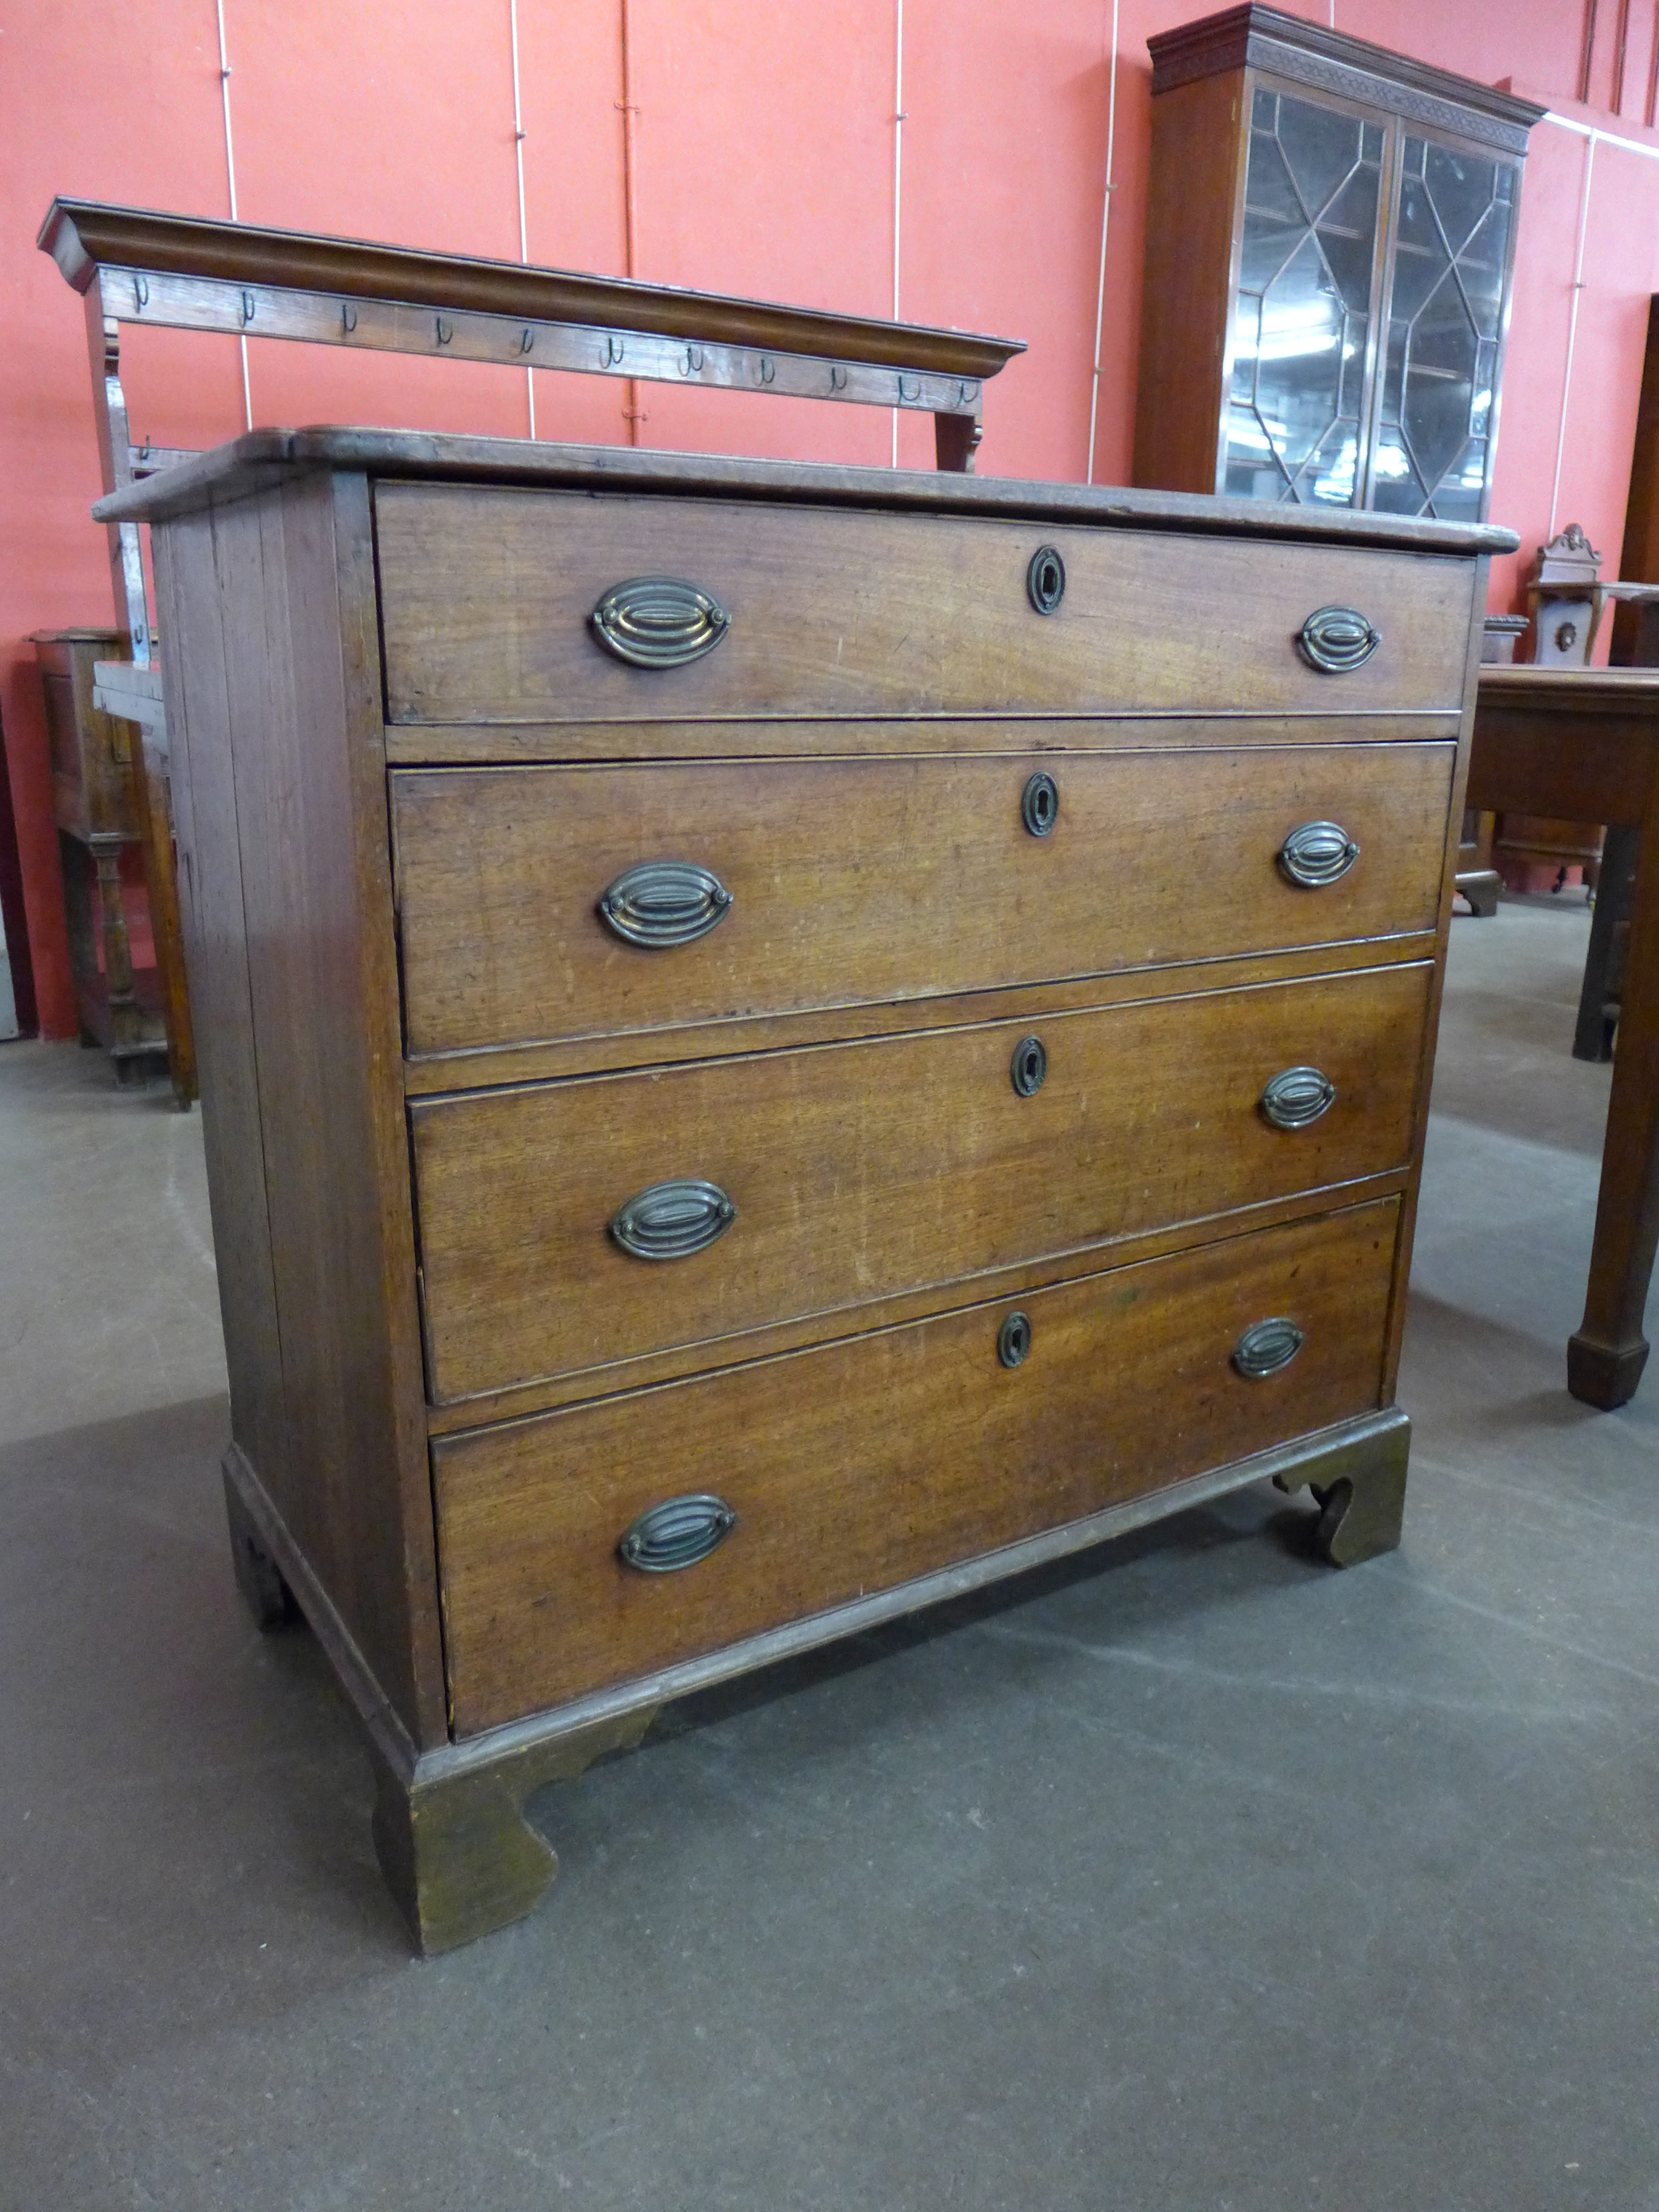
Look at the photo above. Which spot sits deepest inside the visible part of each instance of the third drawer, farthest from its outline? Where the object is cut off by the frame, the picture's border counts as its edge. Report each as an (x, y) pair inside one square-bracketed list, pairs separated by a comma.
[(860, 881), (861, 1172)]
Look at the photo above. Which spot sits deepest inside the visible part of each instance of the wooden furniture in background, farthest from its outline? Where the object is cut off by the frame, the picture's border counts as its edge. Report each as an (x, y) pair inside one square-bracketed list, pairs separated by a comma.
[(98, 807), (13, 919), (1478, 881), (178, 272), (1584, 744), (1561, 599), (698, 1167), (1636, 626), (1330, 235)]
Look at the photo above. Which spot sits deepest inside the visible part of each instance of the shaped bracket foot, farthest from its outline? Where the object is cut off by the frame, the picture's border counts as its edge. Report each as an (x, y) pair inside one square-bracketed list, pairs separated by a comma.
[(1360, 1490), (454, 1845)]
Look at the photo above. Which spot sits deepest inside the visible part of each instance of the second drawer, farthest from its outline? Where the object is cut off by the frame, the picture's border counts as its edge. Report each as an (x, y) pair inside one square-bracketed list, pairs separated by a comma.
[(857, 881), (861, 1172)]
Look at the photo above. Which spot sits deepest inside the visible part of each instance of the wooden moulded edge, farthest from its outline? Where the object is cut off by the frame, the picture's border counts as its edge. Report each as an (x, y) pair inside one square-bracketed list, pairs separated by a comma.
[(83, 236), (260, 459), (1255, 37)]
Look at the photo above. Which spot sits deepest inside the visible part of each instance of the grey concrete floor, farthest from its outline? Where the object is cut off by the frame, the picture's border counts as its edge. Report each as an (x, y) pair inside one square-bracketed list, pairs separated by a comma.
[(1189, 1878)]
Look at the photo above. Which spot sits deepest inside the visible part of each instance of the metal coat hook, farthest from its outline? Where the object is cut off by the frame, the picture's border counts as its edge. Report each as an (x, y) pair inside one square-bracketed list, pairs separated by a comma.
[(446, 330), (249, 305), (614, 350), (348, 317)]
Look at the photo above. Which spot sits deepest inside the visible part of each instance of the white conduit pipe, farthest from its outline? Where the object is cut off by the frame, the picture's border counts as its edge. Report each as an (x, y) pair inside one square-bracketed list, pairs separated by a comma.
[(230, 179), (898, 168), (518, 149), (1572, 325), (1105, 225)]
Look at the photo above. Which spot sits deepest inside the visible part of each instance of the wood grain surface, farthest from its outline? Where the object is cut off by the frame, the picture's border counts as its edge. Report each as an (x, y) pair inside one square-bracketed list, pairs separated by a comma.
[(860, 1171), (863, 881), (269, 656), (854, 1468), (1195, 186), (484, 744), (486, 596)]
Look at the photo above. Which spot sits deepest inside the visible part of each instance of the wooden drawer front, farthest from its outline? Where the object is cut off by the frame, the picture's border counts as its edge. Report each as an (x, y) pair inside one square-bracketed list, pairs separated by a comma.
[(486, 597), (863, 880), (860, 1171), (859, 1465)]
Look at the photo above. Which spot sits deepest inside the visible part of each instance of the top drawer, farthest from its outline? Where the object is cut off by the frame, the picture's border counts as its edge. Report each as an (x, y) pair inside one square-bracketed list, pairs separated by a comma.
[(487, 596)]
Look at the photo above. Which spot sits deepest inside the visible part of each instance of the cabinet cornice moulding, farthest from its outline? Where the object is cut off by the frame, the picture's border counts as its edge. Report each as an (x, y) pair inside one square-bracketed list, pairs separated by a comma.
[(1260, 37)]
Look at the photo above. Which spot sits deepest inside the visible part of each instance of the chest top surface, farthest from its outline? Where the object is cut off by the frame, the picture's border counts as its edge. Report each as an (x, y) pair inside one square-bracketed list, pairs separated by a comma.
[(262, 459)]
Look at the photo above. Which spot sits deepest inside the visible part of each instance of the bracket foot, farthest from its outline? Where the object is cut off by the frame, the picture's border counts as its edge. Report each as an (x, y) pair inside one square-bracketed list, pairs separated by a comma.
[(455, 1848), (1360, 1489)]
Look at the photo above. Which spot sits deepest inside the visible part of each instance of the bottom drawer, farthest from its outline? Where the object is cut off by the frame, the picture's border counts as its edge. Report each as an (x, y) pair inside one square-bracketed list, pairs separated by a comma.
[(856, 1465)]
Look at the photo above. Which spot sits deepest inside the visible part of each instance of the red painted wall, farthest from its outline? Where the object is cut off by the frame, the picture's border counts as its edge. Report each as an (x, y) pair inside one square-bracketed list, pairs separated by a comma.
[(764, 142)]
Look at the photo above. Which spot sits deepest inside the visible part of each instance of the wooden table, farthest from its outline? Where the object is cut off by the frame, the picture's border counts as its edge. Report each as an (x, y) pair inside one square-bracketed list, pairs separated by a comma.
[(1583, 745)]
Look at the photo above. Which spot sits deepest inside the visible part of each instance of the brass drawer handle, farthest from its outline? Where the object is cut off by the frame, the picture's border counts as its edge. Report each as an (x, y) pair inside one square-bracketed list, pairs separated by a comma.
[(1266, 1348), (1029, 1066), (1316, 854), (672, 1220), (1039, 805), (677, 1533), (1298, 1096), (1337, 640), (663, 902), (659, 621)]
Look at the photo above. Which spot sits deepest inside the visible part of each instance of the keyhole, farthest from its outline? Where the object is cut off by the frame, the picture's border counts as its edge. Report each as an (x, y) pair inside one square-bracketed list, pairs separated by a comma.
[(1045, 580), (1039, 805), (1014, 1339), (1030, 1065)]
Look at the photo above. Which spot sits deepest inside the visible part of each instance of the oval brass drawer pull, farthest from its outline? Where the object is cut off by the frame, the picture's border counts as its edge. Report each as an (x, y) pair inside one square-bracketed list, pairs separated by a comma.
[(1266, 1348), (677, 1533), (663, 902), (1335, 639), (672, 1220), (1316, 854), (1298, 1096), (659, 621)]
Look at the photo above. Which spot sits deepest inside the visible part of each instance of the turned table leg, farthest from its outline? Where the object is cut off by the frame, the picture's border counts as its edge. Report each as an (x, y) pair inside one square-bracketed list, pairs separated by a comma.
[(1360, 1489), (455, 1848), (1606, 1358)]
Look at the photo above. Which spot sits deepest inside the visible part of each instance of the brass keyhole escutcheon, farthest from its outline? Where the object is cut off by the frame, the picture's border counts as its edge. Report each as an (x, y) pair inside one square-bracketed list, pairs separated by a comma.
[(1045, 580), (1014, 1339), (1029, 1066), (1039, 805)]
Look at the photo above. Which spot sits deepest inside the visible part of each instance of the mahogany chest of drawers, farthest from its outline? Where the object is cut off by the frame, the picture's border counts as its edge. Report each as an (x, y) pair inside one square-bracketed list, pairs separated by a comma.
[(777, 1043)]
